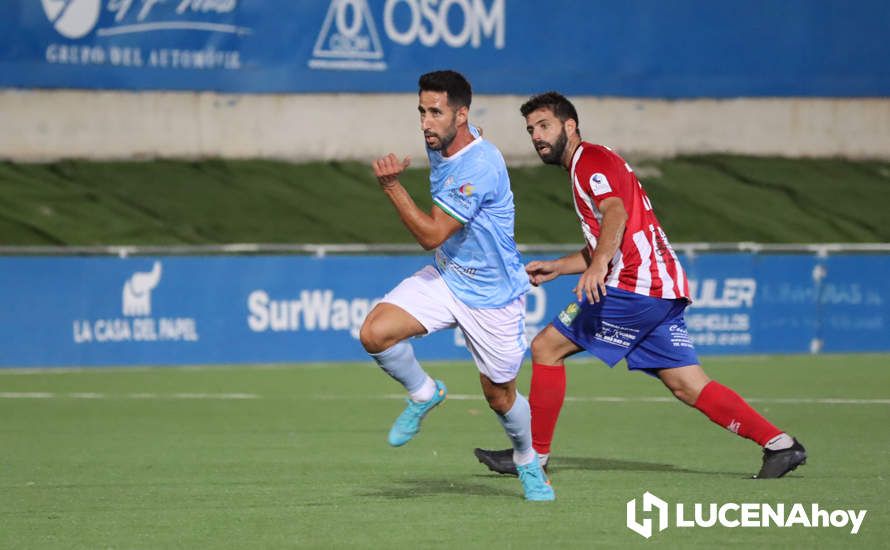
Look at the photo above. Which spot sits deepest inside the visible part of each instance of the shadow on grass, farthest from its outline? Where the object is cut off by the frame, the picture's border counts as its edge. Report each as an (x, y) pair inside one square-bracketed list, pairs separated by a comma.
[(593, 464), (618, 464), (418, 488)]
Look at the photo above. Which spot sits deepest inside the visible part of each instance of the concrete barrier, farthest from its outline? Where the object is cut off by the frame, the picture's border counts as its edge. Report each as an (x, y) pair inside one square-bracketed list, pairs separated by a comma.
[(42, 125)]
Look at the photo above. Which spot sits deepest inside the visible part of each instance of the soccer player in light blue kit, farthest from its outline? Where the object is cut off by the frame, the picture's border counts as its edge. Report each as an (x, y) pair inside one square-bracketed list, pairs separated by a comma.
[(477, 283)]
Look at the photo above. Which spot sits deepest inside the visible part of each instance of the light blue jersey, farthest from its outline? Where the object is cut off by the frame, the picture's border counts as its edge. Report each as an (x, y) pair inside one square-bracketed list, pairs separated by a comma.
[(480, 263)]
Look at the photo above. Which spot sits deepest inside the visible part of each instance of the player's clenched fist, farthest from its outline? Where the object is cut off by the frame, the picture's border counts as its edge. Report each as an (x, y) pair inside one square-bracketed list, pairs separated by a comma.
[(388, 168), (540, 272)]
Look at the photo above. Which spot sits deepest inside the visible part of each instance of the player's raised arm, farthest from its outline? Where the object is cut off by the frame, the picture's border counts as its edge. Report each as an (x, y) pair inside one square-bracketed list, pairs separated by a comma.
[(430, 230), (387, 169)]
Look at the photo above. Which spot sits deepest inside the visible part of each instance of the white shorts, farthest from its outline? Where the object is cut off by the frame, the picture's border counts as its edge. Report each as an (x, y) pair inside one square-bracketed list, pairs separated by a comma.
[(494, 336)]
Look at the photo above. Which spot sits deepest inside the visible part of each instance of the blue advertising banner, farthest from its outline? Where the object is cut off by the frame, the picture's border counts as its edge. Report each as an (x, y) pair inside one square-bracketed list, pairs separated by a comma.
[(233, 309), (639, 48), (854, 302), (750, 303)]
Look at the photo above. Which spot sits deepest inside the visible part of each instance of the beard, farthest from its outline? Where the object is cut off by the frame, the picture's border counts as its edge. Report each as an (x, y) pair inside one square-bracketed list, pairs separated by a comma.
[(443, 140), (556, 149)]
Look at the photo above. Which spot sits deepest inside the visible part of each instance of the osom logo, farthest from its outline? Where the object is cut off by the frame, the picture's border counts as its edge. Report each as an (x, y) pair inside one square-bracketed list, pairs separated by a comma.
[(348, 39), (72, 18)]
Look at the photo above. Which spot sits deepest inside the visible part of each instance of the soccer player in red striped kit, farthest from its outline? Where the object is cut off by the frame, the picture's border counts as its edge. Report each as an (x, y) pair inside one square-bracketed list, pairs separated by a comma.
[(630, 297)]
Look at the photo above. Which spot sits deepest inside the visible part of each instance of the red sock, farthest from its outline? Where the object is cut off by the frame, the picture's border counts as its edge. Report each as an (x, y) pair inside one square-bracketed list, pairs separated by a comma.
[(547, 392), (727, 408)]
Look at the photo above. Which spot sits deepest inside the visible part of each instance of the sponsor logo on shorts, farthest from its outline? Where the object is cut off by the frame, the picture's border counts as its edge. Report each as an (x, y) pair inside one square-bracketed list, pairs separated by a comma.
[(680, 337), (616, 334), (568, 315)]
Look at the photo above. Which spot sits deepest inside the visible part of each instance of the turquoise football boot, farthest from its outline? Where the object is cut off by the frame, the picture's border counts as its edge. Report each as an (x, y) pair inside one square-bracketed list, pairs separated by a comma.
[(534, 481), (407, 424)]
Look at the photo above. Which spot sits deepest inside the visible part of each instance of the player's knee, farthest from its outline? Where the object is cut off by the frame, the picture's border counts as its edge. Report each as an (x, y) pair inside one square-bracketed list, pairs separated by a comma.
[(372, 337), (686, 383), (687, 392), (500, 403), (685, 395), (542, 350)]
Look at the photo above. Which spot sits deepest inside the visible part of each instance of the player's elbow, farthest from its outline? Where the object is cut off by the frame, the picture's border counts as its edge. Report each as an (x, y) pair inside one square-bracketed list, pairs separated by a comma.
[(429, 243), (432, 240), (433, 234)]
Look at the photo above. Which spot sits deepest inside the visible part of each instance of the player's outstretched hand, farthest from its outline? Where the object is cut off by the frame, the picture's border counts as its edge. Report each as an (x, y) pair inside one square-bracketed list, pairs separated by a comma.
[(540, 272), (387, 169)]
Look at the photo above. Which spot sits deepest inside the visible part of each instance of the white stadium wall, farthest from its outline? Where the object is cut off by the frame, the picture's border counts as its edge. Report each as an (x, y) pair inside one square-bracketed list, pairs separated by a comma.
[(43, 125)]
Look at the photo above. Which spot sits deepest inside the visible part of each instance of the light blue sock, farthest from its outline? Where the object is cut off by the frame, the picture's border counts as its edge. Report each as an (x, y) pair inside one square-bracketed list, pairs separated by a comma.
[(400, 363), (518, 425)]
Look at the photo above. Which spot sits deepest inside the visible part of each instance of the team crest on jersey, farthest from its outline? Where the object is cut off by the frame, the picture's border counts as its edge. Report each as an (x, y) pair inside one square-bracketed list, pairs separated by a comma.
[(568, 315), (599, 184)]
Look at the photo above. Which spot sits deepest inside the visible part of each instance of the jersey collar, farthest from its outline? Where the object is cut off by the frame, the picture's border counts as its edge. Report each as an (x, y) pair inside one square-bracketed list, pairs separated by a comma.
[(577, 156), (478, 139)]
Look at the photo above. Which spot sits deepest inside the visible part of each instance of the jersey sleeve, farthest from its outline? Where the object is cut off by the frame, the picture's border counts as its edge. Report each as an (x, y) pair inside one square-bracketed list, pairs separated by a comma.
[(601, 176), (467, 191)]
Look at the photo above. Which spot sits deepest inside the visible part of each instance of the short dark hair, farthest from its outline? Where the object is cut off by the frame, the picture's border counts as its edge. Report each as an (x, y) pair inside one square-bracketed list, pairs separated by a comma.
[(460, 94), (562, 108)]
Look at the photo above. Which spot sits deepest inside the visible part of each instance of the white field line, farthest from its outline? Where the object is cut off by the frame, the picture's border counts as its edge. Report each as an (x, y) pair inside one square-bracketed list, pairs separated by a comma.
[(26, 371), (453, 396), (91, 395), (26, 395)]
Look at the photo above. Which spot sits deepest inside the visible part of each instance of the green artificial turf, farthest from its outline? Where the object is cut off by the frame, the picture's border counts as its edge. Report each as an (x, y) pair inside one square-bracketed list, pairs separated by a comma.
[(296, 456)]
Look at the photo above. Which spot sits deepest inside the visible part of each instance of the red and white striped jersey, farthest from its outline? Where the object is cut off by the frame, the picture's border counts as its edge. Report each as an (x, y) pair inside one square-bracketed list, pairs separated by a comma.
[(645, 262)]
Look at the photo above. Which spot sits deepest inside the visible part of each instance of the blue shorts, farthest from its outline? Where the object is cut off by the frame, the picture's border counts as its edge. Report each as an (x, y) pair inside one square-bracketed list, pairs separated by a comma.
[(649, 332)]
